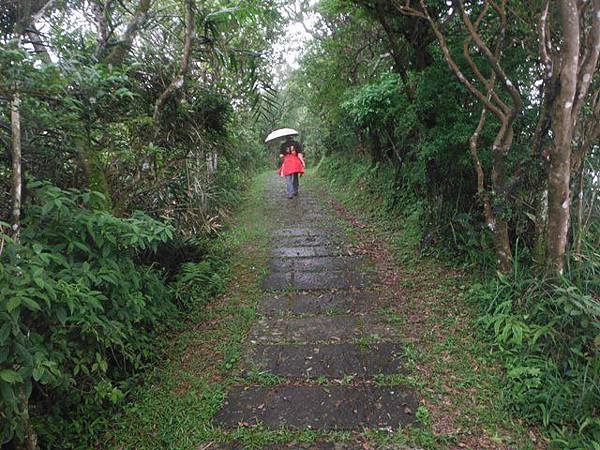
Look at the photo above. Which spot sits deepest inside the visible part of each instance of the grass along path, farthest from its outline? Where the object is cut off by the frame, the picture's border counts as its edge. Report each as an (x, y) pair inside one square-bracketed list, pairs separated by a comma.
[(456, 379), (454, 371), (173, 410)]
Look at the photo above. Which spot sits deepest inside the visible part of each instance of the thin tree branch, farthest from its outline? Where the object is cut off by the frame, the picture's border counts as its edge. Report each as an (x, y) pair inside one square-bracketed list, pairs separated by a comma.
[(120, 51), (491, 58), (179, 80), (589, 62), (453, 66), (492, 94)]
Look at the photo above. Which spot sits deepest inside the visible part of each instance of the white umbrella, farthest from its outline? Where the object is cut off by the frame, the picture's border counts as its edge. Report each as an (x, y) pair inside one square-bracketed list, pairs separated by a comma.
[(282, 132)]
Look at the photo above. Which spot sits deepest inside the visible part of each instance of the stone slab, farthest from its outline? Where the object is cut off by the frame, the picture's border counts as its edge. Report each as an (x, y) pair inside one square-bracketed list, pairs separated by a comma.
[(313, 303), (319, 407), (342, 328), (317, 264), (307, 252), (291, 231), (278, 281), (306, 281), (326, 360), (307, 241)]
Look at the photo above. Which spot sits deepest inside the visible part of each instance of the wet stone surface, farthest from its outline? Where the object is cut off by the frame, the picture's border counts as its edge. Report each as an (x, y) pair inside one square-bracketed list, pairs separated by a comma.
[(317, 320), (307, 252), (319, 407), (342, 328), (304, 281), (317, 264), (308, 241), (315, 303), (327, 360), (279, 281), (328, 280), (291, 232)]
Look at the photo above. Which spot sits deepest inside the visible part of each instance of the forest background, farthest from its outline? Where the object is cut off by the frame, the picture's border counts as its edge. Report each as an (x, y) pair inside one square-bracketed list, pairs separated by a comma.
[(129, 129)]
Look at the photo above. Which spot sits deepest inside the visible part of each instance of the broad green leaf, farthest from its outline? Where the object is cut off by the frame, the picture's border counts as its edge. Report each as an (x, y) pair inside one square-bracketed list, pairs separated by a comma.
[(31, 304), (38, 373), (10, 376), (13, 303), (5, 332)]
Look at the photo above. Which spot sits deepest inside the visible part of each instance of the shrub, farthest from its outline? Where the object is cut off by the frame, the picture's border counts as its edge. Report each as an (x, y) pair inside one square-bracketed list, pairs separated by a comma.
[(548, 335), (78, 315), (198, 282)]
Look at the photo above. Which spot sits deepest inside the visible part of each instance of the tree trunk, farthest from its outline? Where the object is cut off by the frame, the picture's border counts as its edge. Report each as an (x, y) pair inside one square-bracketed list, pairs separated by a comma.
[(540, 226), (16, 187), (580, 206), (498, 228), (30, 441), (29, 435), (101, 11), (558, 209), (559, 173), (93, 170), (38, 45), (502, 145)]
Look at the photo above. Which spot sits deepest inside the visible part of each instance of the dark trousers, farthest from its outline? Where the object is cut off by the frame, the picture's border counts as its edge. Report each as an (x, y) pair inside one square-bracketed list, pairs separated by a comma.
[(291, 184)]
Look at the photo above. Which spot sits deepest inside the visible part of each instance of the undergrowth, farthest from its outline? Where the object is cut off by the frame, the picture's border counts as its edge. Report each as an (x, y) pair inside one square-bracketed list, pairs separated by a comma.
[(174, 406), (548, 335), (544, 334), (86, 303), (373, 191)]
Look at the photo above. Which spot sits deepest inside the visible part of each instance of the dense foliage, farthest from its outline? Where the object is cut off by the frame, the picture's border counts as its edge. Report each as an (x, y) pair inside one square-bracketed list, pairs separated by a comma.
[(129, 128), (387, 93), (83, 314), (80, 315), (128, 131)]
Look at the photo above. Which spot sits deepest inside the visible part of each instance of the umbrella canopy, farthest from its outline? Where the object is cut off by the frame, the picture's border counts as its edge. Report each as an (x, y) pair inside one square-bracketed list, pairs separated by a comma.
[(282, 132)]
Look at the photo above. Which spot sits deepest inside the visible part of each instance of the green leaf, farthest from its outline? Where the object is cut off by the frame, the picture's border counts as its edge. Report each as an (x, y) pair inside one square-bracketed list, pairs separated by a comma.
[(7, 394), (13, 303), (39, 282), (10, 376), (31, 304), (5, 332), (61, 315), (81, 246), (38, 373)]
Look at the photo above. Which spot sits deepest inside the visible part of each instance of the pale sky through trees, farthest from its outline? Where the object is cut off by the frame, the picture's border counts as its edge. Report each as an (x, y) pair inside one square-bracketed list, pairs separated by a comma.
[(294, 40), (287, 50)]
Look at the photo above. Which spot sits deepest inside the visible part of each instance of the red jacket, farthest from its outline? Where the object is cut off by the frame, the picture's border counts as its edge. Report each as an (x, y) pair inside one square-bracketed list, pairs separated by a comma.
[(291, 164)]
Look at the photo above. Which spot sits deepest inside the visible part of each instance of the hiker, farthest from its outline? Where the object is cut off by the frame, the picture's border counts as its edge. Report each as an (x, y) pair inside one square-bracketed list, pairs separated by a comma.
[(292, 165)]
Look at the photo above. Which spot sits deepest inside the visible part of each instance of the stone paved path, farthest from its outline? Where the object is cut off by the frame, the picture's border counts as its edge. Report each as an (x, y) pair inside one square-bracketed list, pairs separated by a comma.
[(319, 330)]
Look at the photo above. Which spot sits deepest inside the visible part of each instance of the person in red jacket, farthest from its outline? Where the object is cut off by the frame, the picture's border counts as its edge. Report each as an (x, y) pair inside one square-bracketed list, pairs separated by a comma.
[(292, 165)]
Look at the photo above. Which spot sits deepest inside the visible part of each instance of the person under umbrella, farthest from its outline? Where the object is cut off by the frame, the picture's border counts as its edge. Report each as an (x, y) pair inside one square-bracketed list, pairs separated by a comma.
[(292, 165)]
